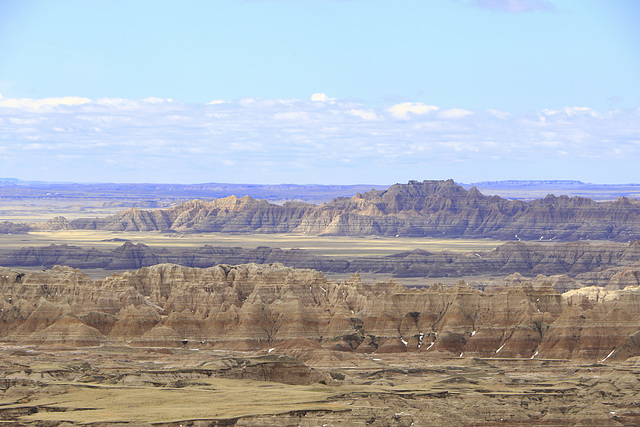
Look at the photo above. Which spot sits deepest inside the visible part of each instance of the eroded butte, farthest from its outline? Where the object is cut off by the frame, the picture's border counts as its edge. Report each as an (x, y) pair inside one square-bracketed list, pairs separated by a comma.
[(287, 346)]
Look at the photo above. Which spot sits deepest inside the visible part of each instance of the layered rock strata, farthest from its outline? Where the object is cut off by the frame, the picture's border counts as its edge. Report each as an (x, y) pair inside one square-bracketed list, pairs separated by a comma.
[(428, 208), (588, 263), (261, 306)]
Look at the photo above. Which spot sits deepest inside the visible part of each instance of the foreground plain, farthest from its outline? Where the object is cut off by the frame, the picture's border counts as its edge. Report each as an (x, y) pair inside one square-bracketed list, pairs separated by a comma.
[(124, 386)]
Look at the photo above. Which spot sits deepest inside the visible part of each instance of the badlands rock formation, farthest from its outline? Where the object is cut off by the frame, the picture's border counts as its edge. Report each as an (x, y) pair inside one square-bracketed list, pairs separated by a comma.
[(262, 306), (587, 263), (428, 208)]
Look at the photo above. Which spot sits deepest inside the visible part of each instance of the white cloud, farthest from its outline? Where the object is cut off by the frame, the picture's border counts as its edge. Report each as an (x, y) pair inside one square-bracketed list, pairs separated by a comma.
[(572, 112), (364, 114), (154, 100), (120, 103), (322, 97), (292, 115), (455, 113), (499, 114), (42, 104), (19, 121), (402, 111), (177, 142)]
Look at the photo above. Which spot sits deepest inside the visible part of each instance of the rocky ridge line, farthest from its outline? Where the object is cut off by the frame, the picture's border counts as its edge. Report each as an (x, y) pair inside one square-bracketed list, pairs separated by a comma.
[(261, 306), (417, 209)]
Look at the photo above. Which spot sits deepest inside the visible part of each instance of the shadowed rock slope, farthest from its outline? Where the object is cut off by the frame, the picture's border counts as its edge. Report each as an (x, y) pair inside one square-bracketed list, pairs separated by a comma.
[(261, 306)]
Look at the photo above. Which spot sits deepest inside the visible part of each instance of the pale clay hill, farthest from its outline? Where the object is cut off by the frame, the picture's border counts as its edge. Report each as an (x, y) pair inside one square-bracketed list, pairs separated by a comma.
[(428, 208), (250, 307)]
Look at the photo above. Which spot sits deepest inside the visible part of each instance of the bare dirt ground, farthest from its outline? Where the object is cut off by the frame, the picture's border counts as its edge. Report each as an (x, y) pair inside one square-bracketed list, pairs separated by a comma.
[(125, 386)]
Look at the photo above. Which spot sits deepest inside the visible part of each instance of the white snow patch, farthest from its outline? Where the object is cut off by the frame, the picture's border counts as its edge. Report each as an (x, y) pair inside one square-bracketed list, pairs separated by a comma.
[(271, 349), (403, 341), (609, 355), (473, 333), (325, 291), (534, 355), (431, 345), (149, 303), (498, 350), (461, 354)]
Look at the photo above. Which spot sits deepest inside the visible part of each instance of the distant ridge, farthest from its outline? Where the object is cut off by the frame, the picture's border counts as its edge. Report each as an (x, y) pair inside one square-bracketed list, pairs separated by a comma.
[(153, 194), (530, 182), (415, 209)]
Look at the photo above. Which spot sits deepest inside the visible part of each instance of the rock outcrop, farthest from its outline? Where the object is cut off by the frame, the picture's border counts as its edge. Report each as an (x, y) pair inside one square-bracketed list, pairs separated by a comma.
[(428, 208), (260, 306), (8, 227), (570, 265)]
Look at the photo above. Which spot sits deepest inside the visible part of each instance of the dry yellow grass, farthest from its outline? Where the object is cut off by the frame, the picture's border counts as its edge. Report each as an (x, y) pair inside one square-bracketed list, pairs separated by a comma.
[(219, 398), (210, 399)]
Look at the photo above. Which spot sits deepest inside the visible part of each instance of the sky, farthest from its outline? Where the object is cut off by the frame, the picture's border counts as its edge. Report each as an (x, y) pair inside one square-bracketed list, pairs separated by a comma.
[(319, 91)]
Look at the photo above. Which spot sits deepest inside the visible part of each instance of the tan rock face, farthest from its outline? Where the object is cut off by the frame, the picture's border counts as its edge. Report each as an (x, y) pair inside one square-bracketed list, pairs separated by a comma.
[(627, 277), (260, 306)]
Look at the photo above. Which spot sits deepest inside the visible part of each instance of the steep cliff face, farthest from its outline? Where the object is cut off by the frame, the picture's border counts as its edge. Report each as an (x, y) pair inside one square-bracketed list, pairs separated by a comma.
[(254, 306), (428, 208)]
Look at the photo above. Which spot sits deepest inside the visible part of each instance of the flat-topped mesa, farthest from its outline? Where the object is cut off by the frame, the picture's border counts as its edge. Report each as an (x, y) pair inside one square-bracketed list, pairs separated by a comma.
[(254, 306)]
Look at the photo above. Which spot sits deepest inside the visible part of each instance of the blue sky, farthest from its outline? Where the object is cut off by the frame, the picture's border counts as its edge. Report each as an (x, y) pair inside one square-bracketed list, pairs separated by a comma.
[(320, 91)]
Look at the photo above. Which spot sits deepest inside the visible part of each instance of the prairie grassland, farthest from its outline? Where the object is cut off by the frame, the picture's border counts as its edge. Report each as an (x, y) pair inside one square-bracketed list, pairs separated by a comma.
[(215, 398), (111, 385), (339, 246), (35, 210)]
